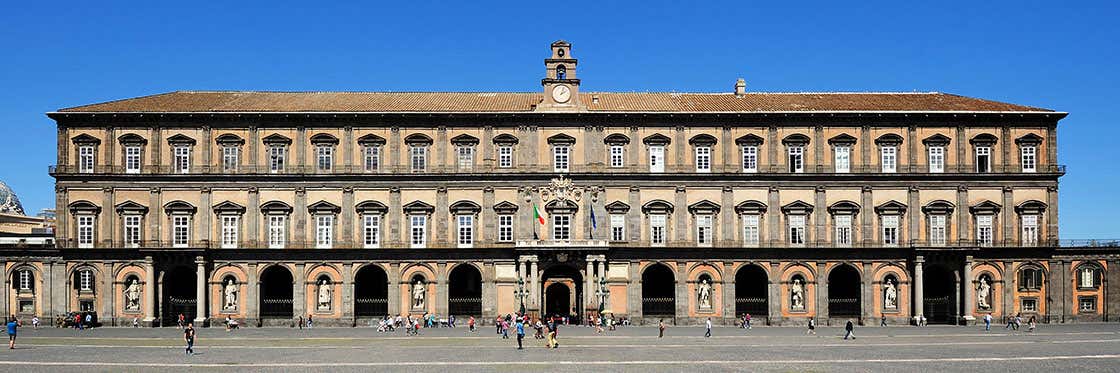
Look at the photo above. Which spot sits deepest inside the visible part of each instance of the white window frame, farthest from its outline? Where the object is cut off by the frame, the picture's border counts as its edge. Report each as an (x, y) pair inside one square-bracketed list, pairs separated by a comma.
[(85, 280), (230, 157), (132, 230), (843, 227), (656, 159), (750, 158), (938, 229), (985, 230), (418, 231), (180, 230), (618, 156), (324, 231), (561, 227), (25, 280), (86, 227), (230, 224), (277, 155), (277, 231), (843, 159), (986, 153), (418, 158), (703, 159), (889, 159), (86, 157), (505, 156), (505, 228), (936, 159), (324, 158), (182, 159), (890, 229), (796, 156), (704, 230), (658, 224), (1030, 229), (371, 158), (561, 158), (796, 230), (618, 227), (465, 230), (371, 231), (752, 227), (465, 157), (1029, 157), (132, 155)]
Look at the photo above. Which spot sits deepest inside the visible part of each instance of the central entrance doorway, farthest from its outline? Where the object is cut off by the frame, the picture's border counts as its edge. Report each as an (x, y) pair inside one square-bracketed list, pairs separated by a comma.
[(179, 296), (939, 296), (276, 294), (844, 292), (562, 287)]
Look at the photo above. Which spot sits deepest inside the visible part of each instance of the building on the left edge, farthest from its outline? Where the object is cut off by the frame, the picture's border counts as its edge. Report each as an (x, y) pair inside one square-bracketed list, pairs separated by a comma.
[(22, 234)]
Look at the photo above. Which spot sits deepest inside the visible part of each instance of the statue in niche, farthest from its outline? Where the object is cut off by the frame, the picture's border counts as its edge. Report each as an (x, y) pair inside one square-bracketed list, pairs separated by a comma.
[(797, 295), (704, 292), (132, 295), (890, 296), (983, 293), (418, 290), (230, 293), (324, 295)]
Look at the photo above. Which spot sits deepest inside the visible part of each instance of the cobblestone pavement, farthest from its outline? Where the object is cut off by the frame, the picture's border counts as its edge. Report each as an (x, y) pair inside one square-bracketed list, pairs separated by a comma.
[(1080, 348)]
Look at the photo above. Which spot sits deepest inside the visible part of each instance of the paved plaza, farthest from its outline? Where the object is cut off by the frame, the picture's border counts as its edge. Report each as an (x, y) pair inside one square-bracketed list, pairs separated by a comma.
[(1081, 348)]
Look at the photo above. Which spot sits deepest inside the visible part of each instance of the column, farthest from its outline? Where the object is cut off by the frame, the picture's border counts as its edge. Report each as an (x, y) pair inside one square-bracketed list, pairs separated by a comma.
[(969, 291), (682, 296), (867, 301), (534, 279), (149, 292), (441, 288), (394, 289), (252, 290), (822, 292), (108, 313), (299, 291), (919, 287), (200, 291), (589, 285), (348, 294), (5, 288), (634, 291), (774, 294)]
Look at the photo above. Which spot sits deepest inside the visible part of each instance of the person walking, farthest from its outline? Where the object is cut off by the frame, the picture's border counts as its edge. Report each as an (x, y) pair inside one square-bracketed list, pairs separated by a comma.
[(849, 329), (660, 328), (188, 335), (135, 322), (13, 325), (78, 322), (812, 327), (505, 329), (520, 333), (748, 321), (450, 321), (498, 325), (1018, 320), (300, 322), (180, 319), (309, 321), (708, 332), (550, 334), (1030, 324), (470, 324), (35, 321), (988, 322), (883, 320)]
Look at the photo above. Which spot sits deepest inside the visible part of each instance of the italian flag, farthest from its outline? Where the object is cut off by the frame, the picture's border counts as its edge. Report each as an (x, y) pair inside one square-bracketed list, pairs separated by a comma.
[(537, 214)]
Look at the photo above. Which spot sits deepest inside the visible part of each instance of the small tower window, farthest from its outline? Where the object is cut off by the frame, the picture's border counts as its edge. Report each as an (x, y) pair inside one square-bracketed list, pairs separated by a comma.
[(561, 71)]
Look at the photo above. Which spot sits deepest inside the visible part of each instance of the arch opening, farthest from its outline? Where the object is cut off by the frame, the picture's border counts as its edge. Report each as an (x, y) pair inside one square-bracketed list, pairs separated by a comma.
[(751, 291)]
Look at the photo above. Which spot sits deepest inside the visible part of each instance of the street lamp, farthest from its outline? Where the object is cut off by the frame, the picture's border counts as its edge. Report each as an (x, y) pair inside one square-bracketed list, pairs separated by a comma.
[(603, 294), (521, 293)]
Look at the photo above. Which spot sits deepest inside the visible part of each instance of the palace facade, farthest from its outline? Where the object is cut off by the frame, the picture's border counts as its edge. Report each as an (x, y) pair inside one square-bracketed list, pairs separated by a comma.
[(349, 206)]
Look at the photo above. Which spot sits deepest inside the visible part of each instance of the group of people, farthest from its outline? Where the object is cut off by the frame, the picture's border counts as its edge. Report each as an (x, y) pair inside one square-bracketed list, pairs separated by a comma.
[(1013, 323)]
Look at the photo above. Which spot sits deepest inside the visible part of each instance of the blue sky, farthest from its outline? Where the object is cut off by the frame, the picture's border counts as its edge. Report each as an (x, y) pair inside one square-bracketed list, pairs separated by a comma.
[(1049, 54)]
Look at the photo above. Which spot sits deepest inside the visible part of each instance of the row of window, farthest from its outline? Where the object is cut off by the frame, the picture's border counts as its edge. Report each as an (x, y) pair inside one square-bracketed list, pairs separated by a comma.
[(277, 152)]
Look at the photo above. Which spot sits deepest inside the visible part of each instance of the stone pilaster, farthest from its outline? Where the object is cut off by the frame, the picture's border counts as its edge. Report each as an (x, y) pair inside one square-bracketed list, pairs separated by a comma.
[(1069, 307), (207, 144), (911, 151), (919, 287), (108, 313), (489, 291), (440, 163), (441, 288), (588, 284), (822, 292), (200, 291), (1051, 215), (634, 215), (525, 225), (107, 221), (867, 306), (1112, 291), (1010, 281), (155, 217), (818, 151), (634, 290), (727, 219), (963, 217), (395, 147), (149, 291), (348, 299), (346, 220), (963, 161), (489, 222), (441, 217), (394, 216), (681, 216), (252, 218), (111, 154), (299, 219), (866, 216), (727, 152), (772, 152), (348, 148), (205, 214), (774, 216), (489, 155), (820, 217), (969, 288), (681, 156), (299, 291), (252, 296), (774, 294), (395, 283), (254, 148), (1007, 217), (913, 214), (864, 146), (534, 281), (728, 293), (62, 217), (633, 152), (682, 292), (301, 147)]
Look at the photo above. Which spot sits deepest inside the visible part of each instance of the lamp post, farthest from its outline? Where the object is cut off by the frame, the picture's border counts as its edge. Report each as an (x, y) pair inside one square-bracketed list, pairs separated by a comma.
[(521, 293), (603, 294)]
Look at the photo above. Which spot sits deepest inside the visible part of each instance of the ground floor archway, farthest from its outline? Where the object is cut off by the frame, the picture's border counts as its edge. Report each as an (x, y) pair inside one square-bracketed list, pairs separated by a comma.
[(558, 300), (752, 289), (371, 292), (276, 293), (658, 291), (179, 295), (563, 292), (939, 294), (464, 293), (844, 292)]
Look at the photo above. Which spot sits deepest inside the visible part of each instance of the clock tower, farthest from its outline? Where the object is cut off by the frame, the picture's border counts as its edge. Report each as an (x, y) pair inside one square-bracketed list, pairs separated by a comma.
[(561, 87)]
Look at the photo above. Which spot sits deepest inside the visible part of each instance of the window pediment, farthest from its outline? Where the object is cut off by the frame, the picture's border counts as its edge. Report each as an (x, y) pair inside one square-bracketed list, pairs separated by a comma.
[(796, 139), (797, 207), (937, 140), (657, 206), (464, 140), (704, 207), (505, 139), (228, 207), (561, 139), (1031, 207), (323, 207), (324, 139), (702, 140), (617, 207), (132, 139), (464, 207), (418, 139), (985, 208), (276, 139), (179, 207), (371, 140), (371, 207), (418, 207), (750, 207), (505, 208), (84, 207), (229, 139), (938, 207), (844, 208), (181, 139), (130, 207), (1029, 139), (749, 139), (657, 139), (85, 139), (276, 207), (984, 139), (889, 139), (616, 139), (891, 207), (561, 207), (842, 139)]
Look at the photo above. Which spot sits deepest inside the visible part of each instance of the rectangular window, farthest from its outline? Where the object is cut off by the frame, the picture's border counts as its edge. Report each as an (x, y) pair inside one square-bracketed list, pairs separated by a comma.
[(180, 230), (85, 159), (419, 156), (505, 156), (983, 159), (937, 230), (560, 158), (229, 231), (324, 231), (132, 159), (324, 157), (505, 228), (796, 159), (843, 229), (1029, 160), (890, 230), (618, 227), (843, 159), (703, 159), (984, 230), (465, 158), (132, 231), (182, 159), (25, 280), (657, 159), (750, 159), (797, 230), (890, 159), (1029, 305), (1087, 304), (85, 231), (1030, 230), (750, 230), (618, 153), (936, 159), (230, 155), (704, 230), (371, 231), (276, 236), (276, 155), (466, 231), (657, 230), (85, 280), (419, 231), (371, 158), (561, 227)]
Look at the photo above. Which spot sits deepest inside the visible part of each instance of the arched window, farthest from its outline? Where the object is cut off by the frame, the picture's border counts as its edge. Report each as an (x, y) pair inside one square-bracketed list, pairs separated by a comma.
[(1088, 277), (561, 72), (1030, 278)]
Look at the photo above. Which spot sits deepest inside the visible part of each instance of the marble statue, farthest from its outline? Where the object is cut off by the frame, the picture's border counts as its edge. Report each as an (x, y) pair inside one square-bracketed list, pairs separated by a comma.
[(890, 296), (705, 294), (324, 295), (418, 290), (798, 295), (230, 292), (983, 293), (132, 295)]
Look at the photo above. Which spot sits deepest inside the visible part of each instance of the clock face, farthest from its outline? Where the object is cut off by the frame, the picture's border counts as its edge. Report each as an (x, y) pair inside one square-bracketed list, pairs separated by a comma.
[(561, 93)]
